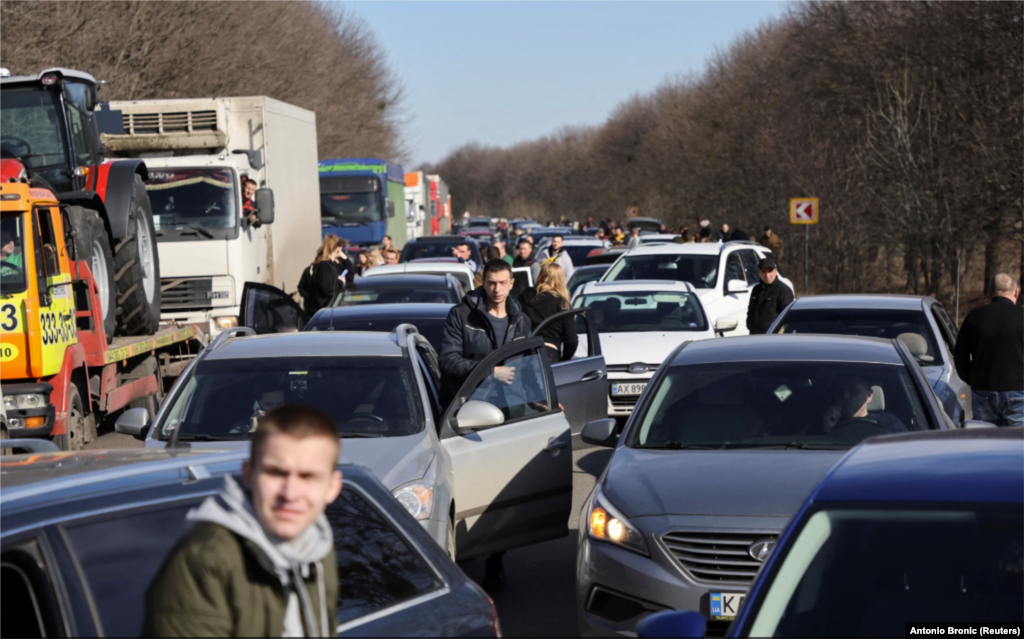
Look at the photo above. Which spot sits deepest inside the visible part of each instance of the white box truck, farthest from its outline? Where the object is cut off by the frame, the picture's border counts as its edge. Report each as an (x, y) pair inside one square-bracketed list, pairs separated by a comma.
[(198, 151)]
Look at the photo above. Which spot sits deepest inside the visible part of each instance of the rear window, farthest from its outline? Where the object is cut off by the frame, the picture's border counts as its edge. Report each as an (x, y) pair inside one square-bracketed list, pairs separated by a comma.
[(421, 250), (910, 327), (432, 329)]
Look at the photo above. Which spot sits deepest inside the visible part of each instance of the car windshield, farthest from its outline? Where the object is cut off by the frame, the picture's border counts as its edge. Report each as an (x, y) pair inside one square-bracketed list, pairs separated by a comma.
[(31, 129), (699, 270), (911, 327), (578, 252), (584, 276), (184, 198), (865, 573), (432, 329), (364, 396), (641, 311), (349, 209), (421, 250), (12, 254), (756, 404), (396, 295)]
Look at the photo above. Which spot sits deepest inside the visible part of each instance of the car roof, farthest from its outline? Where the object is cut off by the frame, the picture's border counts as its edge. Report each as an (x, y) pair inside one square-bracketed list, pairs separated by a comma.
[(446, 264), (976, 465), (439, 238), (309, 344), (886, 302), (675, 248), (621, 286), (400, 280), (384, 311), (583, 239), (789, 348)]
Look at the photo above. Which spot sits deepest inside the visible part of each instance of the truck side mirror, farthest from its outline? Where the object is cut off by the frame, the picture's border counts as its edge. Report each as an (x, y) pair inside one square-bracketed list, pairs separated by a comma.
[(265, 206), (391, 209)]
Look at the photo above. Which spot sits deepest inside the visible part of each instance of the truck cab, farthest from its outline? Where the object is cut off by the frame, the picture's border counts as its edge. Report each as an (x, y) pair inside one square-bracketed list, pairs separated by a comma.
[(362, 200)]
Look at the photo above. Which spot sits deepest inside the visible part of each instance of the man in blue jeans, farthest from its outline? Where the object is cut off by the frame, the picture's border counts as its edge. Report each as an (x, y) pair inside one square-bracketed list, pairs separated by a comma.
[(990, 355)]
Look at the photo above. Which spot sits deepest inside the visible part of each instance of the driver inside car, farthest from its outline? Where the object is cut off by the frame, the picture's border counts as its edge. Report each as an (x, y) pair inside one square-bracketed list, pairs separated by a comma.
[(857, 403)]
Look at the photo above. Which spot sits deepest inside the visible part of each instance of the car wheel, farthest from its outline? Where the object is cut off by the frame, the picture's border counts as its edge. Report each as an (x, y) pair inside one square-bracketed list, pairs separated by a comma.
[(74, 437)]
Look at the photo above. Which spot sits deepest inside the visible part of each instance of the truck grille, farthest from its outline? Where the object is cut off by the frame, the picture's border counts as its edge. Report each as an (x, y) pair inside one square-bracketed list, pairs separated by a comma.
[(181, 294), (716, 556), (180, 122)]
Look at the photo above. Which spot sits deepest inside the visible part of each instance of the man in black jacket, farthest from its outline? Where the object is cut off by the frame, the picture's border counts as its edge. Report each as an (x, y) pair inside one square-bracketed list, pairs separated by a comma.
[(486, 320), (768, 298), (989, 355)]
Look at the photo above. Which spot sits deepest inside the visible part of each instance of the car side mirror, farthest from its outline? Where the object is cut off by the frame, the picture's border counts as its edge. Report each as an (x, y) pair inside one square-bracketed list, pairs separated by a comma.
[(476, 414), (134, 422), (600, 432), (265, 206), (725, 325), (673, 623), (391, 209), (736, 286), (976, 423)]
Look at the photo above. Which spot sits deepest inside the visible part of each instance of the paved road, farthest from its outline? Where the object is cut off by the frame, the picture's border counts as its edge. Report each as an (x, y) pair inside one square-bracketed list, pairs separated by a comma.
[(539, 599)]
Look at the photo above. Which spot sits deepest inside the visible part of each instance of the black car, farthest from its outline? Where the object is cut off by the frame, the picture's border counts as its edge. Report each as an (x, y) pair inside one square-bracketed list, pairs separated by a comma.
[(428, 319), (439, 246), (401, 289), (84, 533), (583, 274)]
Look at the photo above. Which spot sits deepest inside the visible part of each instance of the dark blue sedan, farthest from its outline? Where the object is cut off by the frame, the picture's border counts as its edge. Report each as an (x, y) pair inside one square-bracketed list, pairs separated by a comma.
[(923, 528)]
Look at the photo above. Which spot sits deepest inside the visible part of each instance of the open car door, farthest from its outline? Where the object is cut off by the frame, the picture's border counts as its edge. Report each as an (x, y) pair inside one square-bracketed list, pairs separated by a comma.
[(266, 309), (511, 454), (581, 382)]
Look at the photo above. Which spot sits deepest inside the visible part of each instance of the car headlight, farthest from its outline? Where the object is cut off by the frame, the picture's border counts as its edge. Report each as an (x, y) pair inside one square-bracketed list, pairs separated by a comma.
[(10, 402), (607, 524), (417, 497), (224, 323), (29, 401)]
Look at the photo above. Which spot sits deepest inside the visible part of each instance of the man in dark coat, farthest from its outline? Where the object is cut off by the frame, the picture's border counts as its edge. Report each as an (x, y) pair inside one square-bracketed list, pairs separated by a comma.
[(989, 355), (768, 298)]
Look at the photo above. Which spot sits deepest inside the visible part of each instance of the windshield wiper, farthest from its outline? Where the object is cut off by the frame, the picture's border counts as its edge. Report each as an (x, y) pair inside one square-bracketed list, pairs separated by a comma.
[(359, 435), (198, 230), (800, 446), (681, 446)]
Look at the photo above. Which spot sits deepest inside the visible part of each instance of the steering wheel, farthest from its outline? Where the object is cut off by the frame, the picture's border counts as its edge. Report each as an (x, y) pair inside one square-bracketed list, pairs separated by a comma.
[(12, 265), (19, 143), (377, 423), (855, 429)]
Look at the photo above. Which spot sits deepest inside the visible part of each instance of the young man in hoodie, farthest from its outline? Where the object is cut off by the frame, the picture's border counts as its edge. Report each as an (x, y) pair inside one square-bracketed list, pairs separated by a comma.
[(259, 558)]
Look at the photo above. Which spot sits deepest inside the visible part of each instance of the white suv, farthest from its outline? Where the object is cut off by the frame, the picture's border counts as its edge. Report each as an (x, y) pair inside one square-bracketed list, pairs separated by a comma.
[(721, 274), (639, 323)]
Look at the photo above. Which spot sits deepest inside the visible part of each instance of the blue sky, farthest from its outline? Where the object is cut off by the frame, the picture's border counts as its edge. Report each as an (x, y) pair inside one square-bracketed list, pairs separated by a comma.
[(504, 72)]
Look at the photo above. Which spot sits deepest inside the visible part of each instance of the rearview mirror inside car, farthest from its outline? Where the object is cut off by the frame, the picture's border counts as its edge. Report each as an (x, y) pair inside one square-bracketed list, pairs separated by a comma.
[(265, 206), (736, 286), (134, 422), (600, 432), (476, 414)]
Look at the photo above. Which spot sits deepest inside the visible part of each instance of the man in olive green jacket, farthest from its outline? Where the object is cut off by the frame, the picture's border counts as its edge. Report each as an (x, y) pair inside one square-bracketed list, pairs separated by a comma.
[(259, 561)]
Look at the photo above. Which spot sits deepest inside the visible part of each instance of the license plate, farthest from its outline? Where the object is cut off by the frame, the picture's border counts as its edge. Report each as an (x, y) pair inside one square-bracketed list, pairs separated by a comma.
[(629, 388), (724, 605)]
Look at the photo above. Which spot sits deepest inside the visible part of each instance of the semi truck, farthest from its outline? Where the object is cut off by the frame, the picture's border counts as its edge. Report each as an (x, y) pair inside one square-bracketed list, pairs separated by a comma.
[(362, 200), (198, 152), (426, 196)]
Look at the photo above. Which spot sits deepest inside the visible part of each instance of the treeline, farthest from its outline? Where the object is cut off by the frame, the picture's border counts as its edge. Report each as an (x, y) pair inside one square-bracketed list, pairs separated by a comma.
[(903, 118), (310, 54)]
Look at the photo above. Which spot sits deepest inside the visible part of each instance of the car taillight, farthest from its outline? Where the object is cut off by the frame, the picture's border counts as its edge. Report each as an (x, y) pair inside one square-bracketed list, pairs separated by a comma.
[(495, 622)]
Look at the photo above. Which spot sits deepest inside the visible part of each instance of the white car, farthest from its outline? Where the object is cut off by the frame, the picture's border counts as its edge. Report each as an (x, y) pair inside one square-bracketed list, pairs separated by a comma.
[(723, 275), (653, 238), (639, 324), (458, 270)]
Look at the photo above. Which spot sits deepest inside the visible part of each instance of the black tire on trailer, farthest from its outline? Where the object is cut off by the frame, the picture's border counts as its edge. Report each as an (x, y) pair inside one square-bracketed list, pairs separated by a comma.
[(92, 245), (137, 273), (74, 437), (150, 403)]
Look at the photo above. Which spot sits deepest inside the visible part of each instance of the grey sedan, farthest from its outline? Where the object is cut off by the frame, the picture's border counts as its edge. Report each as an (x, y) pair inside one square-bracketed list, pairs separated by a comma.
[(724, 446), (919, 322)]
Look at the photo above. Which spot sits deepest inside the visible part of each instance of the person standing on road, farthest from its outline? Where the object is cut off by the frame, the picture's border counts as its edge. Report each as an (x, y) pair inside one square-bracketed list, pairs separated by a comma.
[(705, 230), (259, 558), (391, 255), (555, 254), (321, 279), (769, 298), (772, 241), (634, 237), (385, 244), (500, 245), (465, 256), (724, 235), (486, 320), (989, 355), (549, 297)]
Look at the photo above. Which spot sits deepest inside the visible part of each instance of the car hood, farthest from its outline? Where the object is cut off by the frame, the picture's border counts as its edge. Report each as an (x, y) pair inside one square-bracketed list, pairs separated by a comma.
[(649, 347), (726, 482)]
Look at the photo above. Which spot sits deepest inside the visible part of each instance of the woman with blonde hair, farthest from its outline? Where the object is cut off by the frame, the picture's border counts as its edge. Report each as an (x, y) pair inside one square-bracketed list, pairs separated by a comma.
[(374, 259), (319, 281), (548, 297)]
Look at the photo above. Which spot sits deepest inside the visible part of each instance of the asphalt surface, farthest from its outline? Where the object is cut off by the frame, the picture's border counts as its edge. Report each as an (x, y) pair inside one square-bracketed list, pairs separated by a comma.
[(539, 599)]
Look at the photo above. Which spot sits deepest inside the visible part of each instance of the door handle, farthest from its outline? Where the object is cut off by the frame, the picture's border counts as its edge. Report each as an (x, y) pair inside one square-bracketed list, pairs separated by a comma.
[(592, 376), (555, 445)]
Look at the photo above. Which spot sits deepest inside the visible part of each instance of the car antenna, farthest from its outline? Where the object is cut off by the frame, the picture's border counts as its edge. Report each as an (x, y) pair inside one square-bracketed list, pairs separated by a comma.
[(341, 277)]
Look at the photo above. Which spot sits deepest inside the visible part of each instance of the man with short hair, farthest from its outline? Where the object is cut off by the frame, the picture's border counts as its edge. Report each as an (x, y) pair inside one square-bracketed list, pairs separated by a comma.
[(554, 254), (391, 255), (769, 298), (989, 355), (500, 244), (259, 560), (465, 255), (385, 244), (634, 237), (249, 187), (725, 234)]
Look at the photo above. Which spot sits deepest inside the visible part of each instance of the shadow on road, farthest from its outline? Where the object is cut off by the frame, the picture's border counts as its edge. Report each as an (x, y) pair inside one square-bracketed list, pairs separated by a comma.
[(593, 462)]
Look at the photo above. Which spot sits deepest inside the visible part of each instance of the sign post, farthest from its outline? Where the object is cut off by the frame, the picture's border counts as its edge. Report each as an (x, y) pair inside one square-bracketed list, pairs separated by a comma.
[(632, 211), (804, 210)]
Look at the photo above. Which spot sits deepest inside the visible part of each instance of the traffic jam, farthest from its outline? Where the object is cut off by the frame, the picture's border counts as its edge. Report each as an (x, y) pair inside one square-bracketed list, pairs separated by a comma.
[(227, 414)]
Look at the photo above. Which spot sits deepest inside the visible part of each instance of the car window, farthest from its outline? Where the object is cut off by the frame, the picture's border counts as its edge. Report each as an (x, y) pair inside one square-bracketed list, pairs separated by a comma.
[(377, 566), (750, 260), (734, 268), (910, 327), (364, 396), (864, 573), (27, 607), (640, 311), (421, 250), (578, 253), (752, 404), (526, 396), (396, 295), (434, 397), (699, 270), (581, 277), (120, 555)]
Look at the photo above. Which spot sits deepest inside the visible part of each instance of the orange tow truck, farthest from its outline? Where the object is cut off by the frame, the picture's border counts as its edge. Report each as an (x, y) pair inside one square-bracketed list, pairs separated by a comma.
[(59, 369)]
